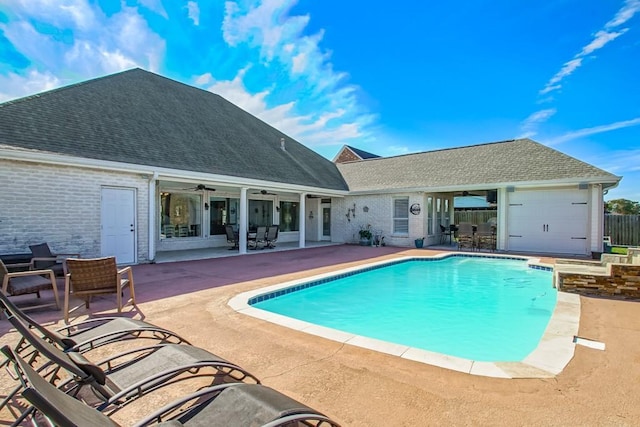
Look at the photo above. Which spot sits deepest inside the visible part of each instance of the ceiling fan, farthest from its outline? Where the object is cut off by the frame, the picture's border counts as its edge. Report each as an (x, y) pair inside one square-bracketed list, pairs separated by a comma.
[(265, 193), (199, 187)]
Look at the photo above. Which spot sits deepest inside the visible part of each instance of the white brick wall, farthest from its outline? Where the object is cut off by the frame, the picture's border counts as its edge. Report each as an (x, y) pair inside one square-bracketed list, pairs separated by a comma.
[(61, 206), (379, 215)]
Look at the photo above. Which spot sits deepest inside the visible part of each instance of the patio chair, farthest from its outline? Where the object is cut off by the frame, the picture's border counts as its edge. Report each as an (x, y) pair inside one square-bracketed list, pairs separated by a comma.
[(29, 282), (232, 237), (98, 276), (259, 239), (92, 333), (220, 405), (466, 238), (272, 236), (122, 378), (43, 258), (486, 237), (444, 233)]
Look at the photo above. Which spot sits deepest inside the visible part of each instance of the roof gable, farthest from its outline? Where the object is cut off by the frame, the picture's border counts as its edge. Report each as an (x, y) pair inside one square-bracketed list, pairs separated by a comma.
[(138, 117)]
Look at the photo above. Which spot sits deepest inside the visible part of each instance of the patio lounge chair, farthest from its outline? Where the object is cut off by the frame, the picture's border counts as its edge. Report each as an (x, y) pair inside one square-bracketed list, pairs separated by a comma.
[(29, 282), (91, 333), (43, 258), (220, 405), (272, 236), (232, 237), (123, 377), (98, 276)]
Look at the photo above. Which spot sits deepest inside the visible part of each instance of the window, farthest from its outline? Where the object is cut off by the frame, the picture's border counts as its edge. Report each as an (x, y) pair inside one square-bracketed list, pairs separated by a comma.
[(289, 216), (222, 211), (401, 215), (260, 213), (180, 214)]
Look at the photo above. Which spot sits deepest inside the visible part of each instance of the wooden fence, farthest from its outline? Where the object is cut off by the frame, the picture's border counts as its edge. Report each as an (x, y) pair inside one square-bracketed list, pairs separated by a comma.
[(474, 216), (623, 229)]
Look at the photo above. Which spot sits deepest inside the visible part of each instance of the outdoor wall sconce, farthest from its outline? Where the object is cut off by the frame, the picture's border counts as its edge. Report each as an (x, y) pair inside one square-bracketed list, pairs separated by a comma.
[(206, 206), (310, 214)]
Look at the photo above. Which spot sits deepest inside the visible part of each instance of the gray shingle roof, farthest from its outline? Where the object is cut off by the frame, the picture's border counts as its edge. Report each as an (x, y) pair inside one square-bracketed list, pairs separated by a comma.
[(361, 153), (142, 118), (521, 160)]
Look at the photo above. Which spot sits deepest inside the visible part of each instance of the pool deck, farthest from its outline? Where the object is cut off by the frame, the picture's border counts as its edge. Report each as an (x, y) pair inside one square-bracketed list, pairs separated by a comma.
[(358, 386)]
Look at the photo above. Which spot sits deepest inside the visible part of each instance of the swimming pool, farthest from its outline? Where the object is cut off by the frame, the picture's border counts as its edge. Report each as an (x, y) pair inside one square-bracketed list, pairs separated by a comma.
[(471, 307), (430, 319)]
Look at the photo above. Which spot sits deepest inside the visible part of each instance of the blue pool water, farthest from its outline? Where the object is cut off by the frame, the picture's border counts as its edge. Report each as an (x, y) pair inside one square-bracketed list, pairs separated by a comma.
[(476, 308)]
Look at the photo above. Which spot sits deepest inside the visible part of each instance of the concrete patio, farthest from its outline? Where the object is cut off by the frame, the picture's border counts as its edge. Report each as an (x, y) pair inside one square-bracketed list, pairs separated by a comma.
[(360, 387)]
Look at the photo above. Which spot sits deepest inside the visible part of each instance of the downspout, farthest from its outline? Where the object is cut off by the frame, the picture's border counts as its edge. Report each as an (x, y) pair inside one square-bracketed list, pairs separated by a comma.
[(152, 217)]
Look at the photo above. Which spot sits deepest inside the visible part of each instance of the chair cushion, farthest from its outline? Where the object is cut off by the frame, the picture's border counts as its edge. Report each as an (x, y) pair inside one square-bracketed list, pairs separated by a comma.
[(28, 285)]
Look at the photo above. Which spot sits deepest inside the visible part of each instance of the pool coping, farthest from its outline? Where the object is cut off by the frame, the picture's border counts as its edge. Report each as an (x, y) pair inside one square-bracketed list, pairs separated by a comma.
[(554, 351)]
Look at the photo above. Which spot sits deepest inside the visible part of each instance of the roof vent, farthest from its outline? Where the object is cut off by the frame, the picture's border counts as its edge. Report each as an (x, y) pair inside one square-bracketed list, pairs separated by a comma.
[(282, 147)]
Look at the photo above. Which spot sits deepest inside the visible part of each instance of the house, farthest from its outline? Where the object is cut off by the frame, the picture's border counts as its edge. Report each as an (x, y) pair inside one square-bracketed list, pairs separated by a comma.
[(133, 164), (349, 154)]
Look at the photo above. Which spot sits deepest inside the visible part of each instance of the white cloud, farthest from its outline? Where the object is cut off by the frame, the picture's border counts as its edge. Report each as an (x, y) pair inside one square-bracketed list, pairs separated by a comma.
[(531, 123), (155, 6), (312, 129), (95, 44), (34, 82), (194, 12), (594, 130), (601, 38), (628, 10)]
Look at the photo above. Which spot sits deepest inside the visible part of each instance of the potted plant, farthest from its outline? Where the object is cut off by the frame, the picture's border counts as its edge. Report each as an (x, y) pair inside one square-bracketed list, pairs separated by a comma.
[(419, 242), (365, 235)]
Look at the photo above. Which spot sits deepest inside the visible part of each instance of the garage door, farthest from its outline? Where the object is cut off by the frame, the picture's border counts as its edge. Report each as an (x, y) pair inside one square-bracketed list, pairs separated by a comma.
[(552, 221)]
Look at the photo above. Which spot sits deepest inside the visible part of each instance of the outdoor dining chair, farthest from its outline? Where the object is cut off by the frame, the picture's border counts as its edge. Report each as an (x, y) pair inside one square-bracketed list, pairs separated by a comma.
[(86, 278), (44, 258), (29, 282), (235, 404)]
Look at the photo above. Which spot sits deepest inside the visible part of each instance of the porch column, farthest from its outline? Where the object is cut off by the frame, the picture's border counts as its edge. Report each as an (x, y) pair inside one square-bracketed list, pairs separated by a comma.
[(152, 217), (242, 225), (302, 219)]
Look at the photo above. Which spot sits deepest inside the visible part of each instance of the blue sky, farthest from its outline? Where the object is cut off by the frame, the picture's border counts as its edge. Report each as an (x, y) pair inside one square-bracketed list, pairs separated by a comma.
[(386, 77)]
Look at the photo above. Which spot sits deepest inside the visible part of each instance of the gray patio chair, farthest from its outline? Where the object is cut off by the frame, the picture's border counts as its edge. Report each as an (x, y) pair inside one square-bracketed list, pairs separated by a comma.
[(122, 378), (259, 240), (217, 406), (232, 237), (43, 258), (272, 236), (29, 282), (92, 333)]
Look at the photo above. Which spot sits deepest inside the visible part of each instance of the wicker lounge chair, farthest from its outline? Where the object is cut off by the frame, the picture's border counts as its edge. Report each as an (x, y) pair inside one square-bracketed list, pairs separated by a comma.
[(220, 405), (99, 276), (43, 258), (29, 282), (123, 377)]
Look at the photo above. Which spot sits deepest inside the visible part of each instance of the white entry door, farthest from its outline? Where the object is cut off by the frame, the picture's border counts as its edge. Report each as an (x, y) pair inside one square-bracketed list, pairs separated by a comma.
[(119, 224)]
